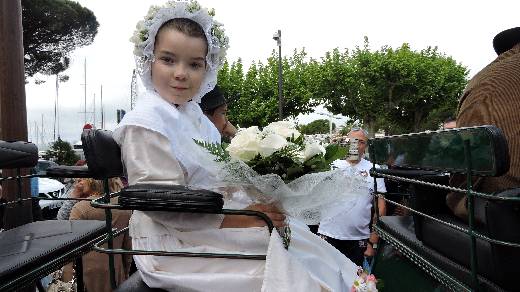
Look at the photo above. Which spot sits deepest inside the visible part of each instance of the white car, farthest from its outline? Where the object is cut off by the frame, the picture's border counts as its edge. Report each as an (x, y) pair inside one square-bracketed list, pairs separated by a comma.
[(48, 188)]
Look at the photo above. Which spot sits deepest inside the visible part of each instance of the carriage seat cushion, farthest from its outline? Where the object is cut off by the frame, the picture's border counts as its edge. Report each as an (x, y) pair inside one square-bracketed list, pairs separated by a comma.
[(18, 154), (135, 284), (147, 197), (497, 220), (402, 228), (436, 235), (32, 245)]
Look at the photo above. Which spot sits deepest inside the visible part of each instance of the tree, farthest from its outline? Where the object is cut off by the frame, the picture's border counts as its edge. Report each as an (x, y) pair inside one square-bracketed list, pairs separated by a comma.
[(62, 153), (254, 95), (320, 126), (398, 90), (52, 29)]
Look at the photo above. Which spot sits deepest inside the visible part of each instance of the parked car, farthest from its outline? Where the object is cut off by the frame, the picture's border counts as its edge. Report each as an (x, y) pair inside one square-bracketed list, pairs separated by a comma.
[(49, 188)]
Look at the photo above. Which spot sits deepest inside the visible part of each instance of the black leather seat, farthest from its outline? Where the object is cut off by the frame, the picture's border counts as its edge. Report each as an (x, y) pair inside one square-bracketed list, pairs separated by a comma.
[(497, 219), (18, 154), (102, 153), (402, 229), (497, 264), (32, 251)]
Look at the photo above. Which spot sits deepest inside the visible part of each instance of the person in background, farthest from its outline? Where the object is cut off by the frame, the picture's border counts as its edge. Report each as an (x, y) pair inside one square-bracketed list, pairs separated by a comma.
[(214, 106), (74, 190), (492, 97), (349, 232), (449, 123), (95, 265)]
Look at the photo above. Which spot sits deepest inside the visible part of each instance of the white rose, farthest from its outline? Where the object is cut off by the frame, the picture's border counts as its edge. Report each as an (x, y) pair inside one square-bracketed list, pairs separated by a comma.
[(312, 149), (248, 131), (245, 145), (272, 143), (283, 128)]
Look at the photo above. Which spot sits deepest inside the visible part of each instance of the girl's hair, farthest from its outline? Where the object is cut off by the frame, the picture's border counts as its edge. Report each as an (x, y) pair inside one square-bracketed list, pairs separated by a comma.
[(186, 26)]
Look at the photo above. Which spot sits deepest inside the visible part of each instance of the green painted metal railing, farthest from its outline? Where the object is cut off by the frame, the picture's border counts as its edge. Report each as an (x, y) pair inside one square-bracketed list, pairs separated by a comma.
[(469, 151)]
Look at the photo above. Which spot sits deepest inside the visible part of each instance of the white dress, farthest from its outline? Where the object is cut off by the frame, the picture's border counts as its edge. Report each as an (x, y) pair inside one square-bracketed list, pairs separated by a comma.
[(158, 151)]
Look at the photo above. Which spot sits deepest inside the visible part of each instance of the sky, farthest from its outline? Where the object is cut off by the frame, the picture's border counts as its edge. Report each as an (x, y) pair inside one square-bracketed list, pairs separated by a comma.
[(461, 29)]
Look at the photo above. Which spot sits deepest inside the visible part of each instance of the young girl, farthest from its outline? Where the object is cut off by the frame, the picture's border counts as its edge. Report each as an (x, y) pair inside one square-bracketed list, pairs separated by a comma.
[(179, 48)]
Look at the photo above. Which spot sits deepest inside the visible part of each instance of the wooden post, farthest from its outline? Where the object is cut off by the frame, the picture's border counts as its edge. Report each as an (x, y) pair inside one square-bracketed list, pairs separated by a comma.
[(13, 114)]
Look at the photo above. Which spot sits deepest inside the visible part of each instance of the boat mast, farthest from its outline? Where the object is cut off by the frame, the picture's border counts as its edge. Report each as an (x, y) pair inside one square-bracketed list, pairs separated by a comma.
[(85, 88), (102, 110)]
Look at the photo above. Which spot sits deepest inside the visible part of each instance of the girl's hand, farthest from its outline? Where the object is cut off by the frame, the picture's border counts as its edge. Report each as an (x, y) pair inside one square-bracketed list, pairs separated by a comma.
[(243, 221)]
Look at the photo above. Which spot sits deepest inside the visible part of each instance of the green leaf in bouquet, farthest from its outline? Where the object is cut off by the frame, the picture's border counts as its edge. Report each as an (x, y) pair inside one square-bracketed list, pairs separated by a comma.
[(298, 141), (218, 150), (334, 152), (317, 163), (294, 172)]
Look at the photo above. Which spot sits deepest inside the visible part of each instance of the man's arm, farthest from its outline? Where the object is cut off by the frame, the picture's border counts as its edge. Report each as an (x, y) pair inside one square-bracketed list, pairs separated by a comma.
[(374, 238)]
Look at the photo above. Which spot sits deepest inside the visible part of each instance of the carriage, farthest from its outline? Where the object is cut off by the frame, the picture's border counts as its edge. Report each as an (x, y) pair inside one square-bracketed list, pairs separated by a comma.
[(428, 250)]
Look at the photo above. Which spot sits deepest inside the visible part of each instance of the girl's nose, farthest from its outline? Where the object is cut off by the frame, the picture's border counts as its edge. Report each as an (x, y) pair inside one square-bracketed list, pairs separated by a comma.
[(180, 72)]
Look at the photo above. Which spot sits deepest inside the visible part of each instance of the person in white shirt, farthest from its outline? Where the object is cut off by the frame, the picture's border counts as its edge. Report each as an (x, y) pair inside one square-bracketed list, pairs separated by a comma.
[(349, 231)]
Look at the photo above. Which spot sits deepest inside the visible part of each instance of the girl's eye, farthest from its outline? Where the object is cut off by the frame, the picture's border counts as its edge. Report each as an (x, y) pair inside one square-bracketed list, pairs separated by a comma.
[(196, 65), (167, 60)]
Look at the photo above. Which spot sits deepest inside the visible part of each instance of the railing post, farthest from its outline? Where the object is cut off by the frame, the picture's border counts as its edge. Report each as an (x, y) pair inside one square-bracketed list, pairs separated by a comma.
[(376, 210), (110, 235), (471, 216)]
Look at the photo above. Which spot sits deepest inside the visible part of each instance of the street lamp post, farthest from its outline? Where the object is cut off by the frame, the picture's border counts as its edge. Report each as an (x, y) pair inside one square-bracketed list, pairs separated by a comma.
[(278, 38)]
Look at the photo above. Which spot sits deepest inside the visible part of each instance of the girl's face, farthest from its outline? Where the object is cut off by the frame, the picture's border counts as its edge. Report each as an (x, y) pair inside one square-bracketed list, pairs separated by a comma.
[(179, 66), (219, 118)]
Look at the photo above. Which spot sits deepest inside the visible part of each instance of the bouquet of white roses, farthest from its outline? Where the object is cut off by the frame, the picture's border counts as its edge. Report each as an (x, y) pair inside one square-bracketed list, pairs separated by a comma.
[(280, 149), (285, 169)]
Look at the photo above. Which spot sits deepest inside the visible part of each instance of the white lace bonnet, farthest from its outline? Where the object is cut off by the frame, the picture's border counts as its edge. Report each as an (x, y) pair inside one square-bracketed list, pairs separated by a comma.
[(146, 30)]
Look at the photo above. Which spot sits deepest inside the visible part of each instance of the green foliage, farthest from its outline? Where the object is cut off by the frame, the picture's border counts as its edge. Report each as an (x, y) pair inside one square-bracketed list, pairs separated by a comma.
[(253, 95), (281, 162), (334, 152), (345, 129), (52, 29), (398, 90), (62, 153), (321, 126), (218, 150)]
